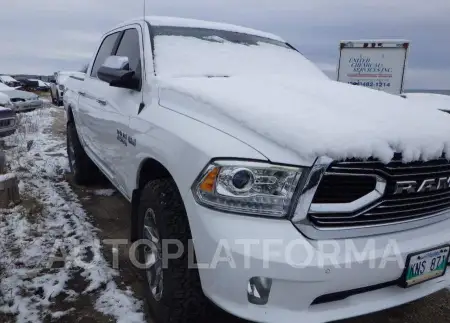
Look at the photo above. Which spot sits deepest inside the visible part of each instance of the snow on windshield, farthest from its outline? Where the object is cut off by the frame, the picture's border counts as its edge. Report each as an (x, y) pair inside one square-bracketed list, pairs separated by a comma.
[(204, 52)]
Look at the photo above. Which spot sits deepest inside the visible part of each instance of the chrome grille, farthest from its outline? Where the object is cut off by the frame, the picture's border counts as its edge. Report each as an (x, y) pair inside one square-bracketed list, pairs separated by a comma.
[(390, 207)]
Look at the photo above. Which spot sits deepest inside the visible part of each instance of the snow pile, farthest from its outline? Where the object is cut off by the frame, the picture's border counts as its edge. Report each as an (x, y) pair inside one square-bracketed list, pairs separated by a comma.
[(6, 177), (45, 252), (190, 56), (104, 192), (313, 117)]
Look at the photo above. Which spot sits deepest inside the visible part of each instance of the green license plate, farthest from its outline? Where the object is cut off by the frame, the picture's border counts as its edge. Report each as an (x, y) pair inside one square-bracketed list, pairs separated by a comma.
[(424, 266)]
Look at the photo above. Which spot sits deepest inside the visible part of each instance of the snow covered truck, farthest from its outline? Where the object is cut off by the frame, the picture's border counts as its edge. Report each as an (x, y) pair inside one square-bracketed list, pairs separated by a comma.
[(256, 182)]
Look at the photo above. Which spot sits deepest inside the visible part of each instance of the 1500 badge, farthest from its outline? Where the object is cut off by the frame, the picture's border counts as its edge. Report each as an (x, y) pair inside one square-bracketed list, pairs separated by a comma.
[(125, 139)]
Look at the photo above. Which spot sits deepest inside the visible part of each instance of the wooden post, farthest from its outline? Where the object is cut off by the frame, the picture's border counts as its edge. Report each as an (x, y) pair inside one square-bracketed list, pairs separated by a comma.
[(9, 188)]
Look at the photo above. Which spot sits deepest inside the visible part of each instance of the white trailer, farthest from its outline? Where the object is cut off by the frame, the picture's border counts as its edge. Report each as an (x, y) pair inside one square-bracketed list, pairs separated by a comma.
[(377, 64)]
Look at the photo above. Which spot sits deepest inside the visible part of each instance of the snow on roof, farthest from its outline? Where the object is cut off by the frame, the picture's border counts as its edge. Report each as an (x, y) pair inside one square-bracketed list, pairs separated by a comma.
[(194, 23)]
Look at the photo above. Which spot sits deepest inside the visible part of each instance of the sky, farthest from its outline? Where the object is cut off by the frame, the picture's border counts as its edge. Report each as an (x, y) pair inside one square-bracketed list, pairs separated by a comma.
[(44, 36)]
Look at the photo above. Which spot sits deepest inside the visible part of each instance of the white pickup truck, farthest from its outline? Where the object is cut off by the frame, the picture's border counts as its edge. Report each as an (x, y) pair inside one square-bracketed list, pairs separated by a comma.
[(256, 182)]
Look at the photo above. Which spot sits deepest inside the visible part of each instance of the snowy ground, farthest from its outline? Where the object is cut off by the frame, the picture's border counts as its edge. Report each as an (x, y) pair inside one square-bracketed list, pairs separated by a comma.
[(50, 223)]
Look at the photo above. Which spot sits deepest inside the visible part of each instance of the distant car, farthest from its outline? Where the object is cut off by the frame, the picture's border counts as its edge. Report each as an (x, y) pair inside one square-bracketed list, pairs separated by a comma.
[(28, 85), (21, 100), (57, 89), (10, 81), (8, 120), (41, 85)]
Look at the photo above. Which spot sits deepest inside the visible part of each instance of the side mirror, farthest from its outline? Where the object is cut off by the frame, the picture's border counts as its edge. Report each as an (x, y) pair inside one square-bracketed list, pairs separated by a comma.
[(116, 71)]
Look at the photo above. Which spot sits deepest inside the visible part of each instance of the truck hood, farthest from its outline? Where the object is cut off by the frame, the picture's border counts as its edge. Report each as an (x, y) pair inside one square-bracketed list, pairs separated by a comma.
[(294, 120)]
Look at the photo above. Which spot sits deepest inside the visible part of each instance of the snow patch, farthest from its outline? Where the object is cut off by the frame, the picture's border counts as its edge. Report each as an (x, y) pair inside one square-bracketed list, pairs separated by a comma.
[(104, 192), (119, 304), (60, 230), (6, 177)]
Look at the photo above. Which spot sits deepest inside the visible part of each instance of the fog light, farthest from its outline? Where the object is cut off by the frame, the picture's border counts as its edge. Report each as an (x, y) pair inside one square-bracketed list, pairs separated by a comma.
[(258, 290)]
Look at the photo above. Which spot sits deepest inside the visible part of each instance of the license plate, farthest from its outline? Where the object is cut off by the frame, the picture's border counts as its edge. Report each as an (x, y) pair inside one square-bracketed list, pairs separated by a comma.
[(427, 265)]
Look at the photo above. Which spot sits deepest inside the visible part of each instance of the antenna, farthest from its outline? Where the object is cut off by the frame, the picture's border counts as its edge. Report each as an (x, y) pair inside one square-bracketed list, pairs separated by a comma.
[(144, 10)]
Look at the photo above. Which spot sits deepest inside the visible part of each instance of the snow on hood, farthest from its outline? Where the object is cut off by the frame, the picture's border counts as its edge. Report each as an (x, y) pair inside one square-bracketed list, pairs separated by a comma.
[(13, 94), (430, 100), (313, 117)]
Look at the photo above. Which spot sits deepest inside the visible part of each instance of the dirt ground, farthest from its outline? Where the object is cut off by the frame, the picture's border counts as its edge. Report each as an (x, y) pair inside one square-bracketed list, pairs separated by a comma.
[(111, 215)]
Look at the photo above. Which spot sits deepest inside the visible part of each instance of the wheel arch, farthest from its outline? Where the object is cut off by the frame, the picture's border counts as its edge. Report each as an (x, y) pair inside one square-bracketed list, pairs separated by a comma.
[(69, 114), (149, 169)]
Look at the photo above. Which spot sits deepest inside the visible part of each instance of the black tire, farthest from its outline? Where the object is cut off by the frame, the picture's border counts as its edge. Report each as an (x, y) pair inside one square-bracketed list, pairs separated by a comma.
[(182, 299), (53, 99), (58, 99), (83, 169)]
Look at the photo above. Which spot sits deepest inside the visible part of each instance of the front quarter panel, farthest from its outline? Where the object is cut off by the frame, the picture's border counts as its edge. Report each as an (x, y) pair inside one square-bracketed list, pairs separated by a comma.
[(181, 144)]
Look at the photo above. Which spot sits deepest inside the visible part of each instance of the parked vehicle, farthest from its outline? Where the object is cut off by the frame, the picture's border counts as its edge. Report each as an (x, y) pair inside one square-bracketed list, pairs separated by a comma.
[(28, 85), (10, 81), (22, 100), (41, 85), (228, 141), (57, 89), (8, 120), (374, 63)]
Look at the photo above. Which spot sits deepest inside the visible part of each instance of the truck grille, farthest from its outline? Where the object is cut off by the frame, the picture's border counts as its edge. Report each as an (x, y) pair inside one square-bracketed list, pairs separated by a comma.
[(347, 181)]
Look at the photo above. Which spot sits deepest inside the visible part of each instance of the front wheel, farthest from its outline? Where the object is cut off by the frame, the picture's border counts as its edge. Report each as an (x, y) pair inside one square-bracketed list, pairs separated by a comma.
[(53, 98), (83, 169), (174, 291)]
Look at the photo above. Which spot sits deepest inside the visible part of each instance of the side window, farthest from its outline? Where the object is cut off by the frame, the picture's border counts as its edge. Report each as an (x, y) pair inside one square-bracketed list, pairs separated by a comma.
[(129, 47), (105, 50)]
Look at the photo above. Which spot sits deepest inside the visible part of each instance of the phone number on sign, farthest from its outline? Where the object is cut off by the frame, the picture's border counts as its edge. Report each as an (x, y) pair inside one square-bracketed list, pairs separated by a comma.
[(370, 83)]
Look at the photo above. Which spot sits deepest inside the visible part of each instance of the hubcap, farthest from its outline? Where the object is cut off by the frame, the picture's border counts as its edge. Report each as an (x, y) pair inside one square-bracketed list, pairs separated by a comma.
[(153, 255)]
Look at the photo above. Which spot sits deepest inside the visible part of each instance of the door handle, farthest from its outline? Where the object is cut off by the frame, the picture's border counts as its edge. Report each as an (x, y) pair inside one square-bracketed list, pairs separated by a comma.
[(82, 93), (102, 102)]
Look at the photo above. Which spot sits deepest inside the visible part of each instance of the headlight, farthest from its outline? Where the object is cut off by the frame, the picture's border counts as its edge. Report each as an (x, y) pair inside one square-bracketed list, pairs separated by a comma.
[(247, 187), (61, 87)]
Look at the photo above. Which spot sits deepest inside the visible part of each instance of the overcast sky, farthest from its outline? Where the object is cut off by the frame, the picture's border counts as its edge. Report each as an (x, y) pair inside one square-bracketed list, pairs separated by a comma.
[(43, 36)]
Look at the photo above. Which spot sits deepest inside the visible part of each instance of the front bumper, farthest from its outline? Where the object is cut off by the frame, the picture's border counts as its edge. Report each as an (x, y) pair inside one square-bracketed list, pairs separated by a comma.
[(28, 105), (232, 249)]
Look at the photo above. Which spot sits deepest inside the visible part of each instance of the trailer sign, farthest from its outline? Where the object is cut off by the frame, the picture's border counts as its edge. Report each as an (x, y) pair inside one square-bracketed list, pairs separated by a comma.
[(375, 64)]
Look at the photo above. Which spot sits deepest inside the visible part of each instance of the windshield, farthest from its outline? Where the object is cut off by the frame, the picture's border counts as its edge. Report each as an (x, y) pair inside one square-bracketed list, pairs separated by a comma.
[(183, 51)]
